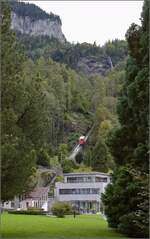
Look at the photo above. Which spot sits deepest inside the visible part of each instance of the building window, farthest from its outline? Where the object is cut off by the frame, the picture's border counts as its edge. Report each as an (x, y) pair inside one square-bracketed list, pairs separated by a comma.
[(75, 180), (79, 191), (36, 204), (79, 179), (100, 179), (88, 179), (12, 204)]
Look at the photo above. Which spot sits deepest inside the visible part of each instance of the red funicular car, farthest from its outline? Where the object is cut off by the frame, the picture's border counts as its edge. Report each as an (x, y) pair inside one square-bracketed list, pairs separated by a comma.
[(82, 140)]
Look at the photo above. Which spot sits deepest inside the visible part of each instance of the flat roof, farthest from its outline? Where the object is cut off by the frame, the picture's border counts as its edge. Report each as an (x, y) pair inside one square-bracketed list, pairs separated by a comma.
[(86, 173)]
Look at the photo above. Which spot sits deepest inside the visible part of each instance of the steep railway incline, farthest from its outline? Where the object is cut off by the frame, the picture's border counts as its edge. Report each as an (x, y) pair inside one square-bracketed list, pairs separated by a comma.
[(78, 147)]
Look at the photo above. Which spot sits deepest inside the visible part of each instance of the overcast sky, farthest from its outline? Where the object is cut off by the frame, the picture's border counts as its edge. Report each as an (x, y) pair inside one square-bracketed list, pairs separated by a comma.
[(89, 21)]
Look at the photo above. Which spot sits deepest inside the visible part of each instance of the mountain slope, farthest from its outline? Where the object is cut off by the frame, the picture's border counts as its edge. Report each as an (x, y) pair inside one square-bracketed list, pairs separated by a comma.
[(30, 19), (40, 34)]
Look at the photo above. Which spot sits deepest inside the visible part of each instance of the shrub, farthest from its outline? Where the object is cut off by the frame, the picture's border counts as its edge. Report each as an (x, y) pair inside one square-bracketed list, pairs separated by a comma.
[(60, 209), (28, 212), (43, 158), (68, 208), (68, 166), (35, 209), (133, 224), (59, 179)]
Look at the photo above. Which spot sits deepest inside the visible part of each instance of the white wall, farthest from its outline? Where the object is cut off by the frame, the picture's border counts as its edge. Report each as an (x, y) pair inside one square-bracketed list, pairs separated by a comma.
[(23, 204), (7, 205), (79, 197), (45, 206)]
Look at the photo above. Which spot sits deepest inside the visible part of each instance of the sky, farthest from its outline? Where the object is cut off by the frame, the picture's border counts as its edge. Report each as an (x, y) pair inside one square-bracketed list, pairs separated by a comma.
[(89, 21)]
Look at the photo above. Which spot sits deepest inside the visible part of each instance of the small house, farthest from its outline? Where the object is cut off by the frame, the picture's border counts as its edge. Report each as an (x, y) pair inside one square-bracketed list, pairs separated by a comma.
[(38, 198)]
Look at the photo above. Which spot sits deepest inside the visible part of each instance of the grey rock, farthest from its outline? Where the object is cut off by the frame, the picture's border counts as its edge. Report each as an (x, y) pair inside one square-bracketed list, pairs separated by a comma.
[(45, 27), (91, 66)]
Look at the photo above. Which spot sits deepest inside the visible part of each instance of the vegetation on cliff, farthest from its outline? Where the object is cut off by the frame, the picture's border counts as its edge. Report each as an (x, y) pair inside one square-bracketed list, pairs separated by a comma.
[(98, 59), (31, 10)]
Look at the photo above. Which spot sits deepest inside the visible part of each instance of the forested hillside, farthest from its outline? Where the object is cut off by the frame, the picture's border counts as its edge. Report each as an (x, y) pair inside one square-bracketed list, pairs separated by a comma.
[(54, 91), (85, 58), (29, 19), (48, 105), (88, 99)]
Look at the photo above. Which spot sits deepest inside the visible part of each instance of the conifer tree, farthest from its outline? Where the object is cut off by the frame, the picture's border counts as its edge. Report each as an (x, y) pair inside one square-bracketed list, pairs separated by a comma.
[(126, 199), (18, 158)]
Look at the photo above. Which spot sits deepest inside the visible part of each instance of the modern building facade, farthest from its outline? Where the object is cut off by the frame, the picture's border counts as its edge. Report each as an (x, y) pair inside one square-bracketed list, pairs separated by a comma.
[(82, 190)]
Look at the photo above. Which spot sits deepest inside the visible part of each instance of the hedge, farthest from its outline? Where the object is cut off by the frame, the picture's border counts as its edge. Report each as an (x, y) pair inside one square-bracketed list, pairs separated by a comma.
[(28, 212)]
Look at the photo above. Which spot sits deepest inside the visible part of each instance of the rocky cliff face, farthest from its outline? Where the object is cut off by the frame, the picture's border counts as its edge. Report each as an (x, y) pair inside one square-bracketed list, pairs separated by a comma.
[(45, 27), (91, 66)]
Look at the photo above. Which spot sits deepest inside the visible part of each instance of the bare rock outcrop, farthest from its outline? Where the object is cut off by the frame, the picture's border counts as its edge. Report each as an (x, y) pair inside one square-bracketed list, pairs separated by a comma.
[(44, 27)]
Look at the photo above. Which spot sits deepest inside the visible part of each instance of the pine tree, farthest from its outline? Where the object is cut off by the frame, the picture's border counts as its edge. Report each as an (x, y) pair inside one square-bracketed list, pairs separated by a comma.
[(126, 199), (18, 157)]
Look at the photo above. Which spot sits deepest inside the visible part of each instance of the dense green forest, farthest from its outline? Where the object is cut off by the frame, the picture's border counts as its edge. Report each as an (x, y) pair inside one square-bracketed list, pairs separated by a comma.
[(47, 103)]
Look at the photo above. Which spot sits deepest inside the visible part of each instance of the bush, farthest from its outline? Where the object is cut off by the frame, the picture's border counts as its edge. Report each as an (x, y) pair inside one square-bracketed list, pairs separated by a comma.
[(35, 209), (133, 224), (68, 166), (43, 158), (59, 179), (28, 212), (60, 209)]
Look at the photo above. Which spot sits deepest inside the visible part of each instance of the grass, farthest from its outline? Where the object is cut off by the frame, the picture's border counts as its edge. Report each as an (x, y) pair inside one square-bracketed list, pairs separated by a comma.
[(44, 227)]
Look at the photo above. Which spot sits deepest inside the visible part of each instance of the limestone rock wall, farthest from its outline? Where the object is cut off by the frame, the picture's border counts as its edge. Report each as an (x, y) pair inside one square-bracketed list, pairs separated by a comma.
[(45, 27)]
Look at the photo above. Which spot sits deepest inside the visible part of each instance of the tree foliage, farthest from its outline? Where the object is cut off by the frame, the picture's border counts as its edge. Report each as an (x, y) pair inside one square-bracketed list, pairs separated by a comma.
[(126, 199), (18, 156), (47, 105), (103, 104), (31, 10), (126, 202)]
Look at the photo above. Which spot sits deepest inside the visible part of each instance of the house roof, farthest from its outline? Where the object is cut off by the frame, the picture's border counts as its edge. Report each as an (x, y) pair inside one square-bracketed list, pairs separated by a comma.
[(38, 192), (86, 173)]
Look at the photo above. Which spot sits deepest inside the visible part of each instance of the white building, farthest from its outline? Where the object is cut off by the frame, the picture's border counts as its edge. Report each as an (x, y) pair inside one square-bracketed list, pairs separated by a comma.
[(38, 198), (11, 205), (82, 190)]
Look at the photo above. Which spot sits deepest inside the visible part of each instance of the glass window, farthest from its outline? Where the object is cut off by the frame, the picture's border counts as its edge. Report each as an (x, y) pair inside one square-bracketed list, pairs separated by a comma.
[(79, 179), (88, 179), (79, 191), (75, 179), (100, 179)]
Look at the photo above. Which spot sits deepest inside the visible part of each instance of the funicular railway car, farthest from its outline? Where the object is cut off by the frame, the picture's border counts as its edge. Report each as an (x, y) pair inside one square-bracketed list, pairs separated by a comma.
[(82, 140)]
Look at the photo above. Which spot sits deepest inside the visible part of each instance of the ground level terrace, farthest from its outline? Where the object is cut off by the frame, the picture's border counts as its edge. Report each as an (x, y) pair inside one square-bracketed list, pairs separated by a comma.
[(86, 206), (45, 227)]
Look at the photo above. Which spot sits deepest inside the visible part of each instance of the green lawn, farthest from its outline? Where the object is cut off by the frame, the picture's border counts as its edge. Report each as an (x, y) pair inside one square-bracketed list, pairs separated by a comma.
[(44, 227)]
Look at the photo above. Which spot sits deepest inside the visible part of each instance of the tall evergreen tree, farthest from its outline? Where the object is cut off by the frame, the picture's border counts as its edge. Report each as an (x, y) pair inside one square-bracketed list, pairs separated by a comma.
[(126, 199), (18, 159)]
